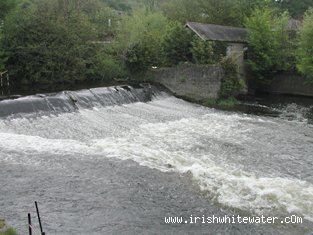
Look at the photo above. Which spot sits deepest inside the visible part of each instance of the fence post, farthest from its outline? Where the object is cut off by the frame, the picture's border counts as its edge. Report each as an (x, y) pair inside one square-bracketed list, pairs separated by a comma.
[(29, 224), (38, 217)]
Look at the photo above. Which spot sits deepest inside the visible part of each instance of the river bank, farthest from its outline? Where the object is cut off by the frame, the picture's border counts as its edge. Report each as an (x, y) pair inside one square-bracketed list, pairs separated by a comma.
[(4, 230)]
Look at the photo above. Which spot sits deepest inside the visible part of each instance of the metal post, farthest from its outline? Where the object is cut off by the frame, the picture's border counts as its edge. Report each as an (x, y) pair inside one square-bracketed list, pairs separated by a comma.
[(38, 217), (29, 224)]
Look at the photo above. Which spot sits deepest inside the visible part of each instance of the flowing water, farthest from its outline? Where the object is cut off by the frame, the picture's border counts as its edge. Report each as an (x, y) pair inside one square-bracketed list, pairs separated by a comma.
[(117, 160)]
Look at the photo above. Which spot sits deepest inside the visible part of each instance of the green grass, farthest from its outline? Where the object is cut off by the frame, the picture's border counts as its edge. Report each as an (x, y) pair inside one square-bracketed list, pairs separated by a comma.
[(221, 103), (183, 79), (210, 102), (2, 223), (9, 231), (229, 102)]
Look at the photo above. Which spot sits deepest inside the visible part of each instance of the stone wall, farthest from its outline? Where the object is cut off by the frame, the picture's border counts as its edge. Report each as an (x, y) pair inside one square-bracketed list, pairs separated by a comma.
[(194, 82), (289, 84)]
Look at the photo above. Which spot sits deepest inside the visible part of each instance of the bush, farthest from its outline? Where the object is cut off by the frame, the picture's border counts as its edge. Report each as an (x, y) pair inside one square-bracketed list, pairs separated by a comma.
[(232, 84), (304, 52), (202, 51), (140, 40), (228, 102), (9, 231), (44, 44), (139, 58), (107, 65), (177, 44), (269, 48)]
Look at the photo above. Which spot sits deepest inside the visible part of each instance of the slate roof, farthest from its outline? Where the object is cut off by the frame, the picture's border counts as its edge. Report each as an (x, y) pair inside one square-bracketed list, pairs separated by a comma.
[(214, 32)]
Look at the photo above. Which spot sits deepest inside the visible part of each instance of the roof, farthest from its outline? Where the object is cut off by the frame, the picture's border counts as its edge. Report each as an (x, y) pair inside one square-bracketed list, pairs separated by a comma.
[(218, 32)]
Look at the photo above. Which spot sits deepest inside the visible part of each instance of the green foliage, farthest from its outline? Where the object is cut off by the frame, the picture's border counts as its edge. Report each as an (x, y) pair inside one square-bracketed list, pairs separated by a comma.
[(232, 84), (59, 40), (140, 40), (224, 12), (2, 53), (131, 5), (139, 57), (269, 47), (176, 44), (228, 102), (9, 231), (5, 7), (119, 5), (210, 102), (107, 65), (2, 223), (47, 40), (181, 45), (296, 8), (103, 19), (202, 51), (182, 10), (223, 103), (183, 79), (304, 52)]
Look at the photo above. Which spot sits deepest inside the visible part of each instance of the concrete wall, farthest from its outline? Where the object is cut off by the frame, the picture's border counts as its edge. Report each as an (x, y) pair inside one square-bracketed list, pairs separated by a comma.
[(191, 81), (291, 84)]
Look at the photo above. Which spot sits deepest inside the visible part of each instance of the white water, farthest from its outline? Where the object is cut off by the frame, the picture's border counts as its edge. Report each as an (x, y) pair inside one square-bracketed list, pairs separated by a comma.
[(258, 165)]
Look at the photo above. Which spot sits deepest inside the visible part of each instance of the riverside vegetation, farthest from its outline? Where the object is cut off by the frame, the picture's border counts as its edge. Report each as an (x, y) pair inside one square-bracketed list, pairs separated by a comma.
[(4, 231), (53, 41)]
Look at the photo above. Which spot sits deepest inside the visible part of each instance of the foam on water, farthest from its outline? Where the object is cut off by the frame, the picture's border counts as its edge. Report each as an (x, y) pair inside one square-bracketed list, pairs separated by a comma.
[(171, 146), (259, 165)]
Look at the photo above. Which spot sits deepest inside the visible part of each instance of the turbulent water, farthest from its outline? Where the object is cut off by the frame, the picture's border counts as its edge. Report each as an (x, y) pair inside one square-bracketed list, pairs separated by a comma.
[(68, 151)]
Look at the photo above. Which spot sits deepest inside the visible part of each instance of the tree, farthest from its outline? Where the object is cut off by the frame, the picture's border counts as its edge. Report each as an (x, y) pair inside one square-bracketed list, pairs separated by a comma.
[(268, 43), (2, 54), (140, 39), (304, 52), (6, 6), (177, 44), (202, 51), (296, 8), (224, 12), (182, 10), (46, 40)]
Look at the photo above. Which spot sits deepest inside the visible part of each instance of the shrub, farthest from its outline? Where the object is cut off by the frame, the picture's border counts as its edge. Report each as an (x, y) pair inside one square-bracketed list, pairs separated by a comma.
[(9, 231), (232, 84), (228, 102), (177, 44), (107, 65), (304, 52), (45, 44), (140, 40), (269, 48), (202, 51)]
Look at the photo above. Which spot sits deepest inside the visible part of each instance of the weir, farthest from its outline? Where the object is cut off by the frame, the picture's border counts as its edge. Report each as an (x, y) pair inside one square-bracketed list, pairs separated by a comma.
[(123, 157), (71, 101)]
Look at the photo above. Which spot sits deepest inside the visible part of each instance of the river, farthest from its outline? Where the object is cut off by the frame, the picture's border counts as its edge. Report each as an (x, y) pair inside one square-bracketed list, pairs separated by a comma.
[(117, 160)]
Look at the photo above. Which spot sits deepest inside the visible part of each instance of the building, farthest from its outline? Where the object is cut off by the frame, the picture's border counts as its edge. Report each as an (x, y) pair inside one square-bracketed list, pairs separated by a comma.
[(236, 39)]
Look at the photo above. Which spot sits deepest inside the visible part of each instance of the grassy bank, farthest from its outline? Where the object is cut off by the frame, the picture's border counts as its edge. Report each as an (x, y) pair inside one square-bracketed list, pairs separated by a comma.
[(4, 231), (222, 103)]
